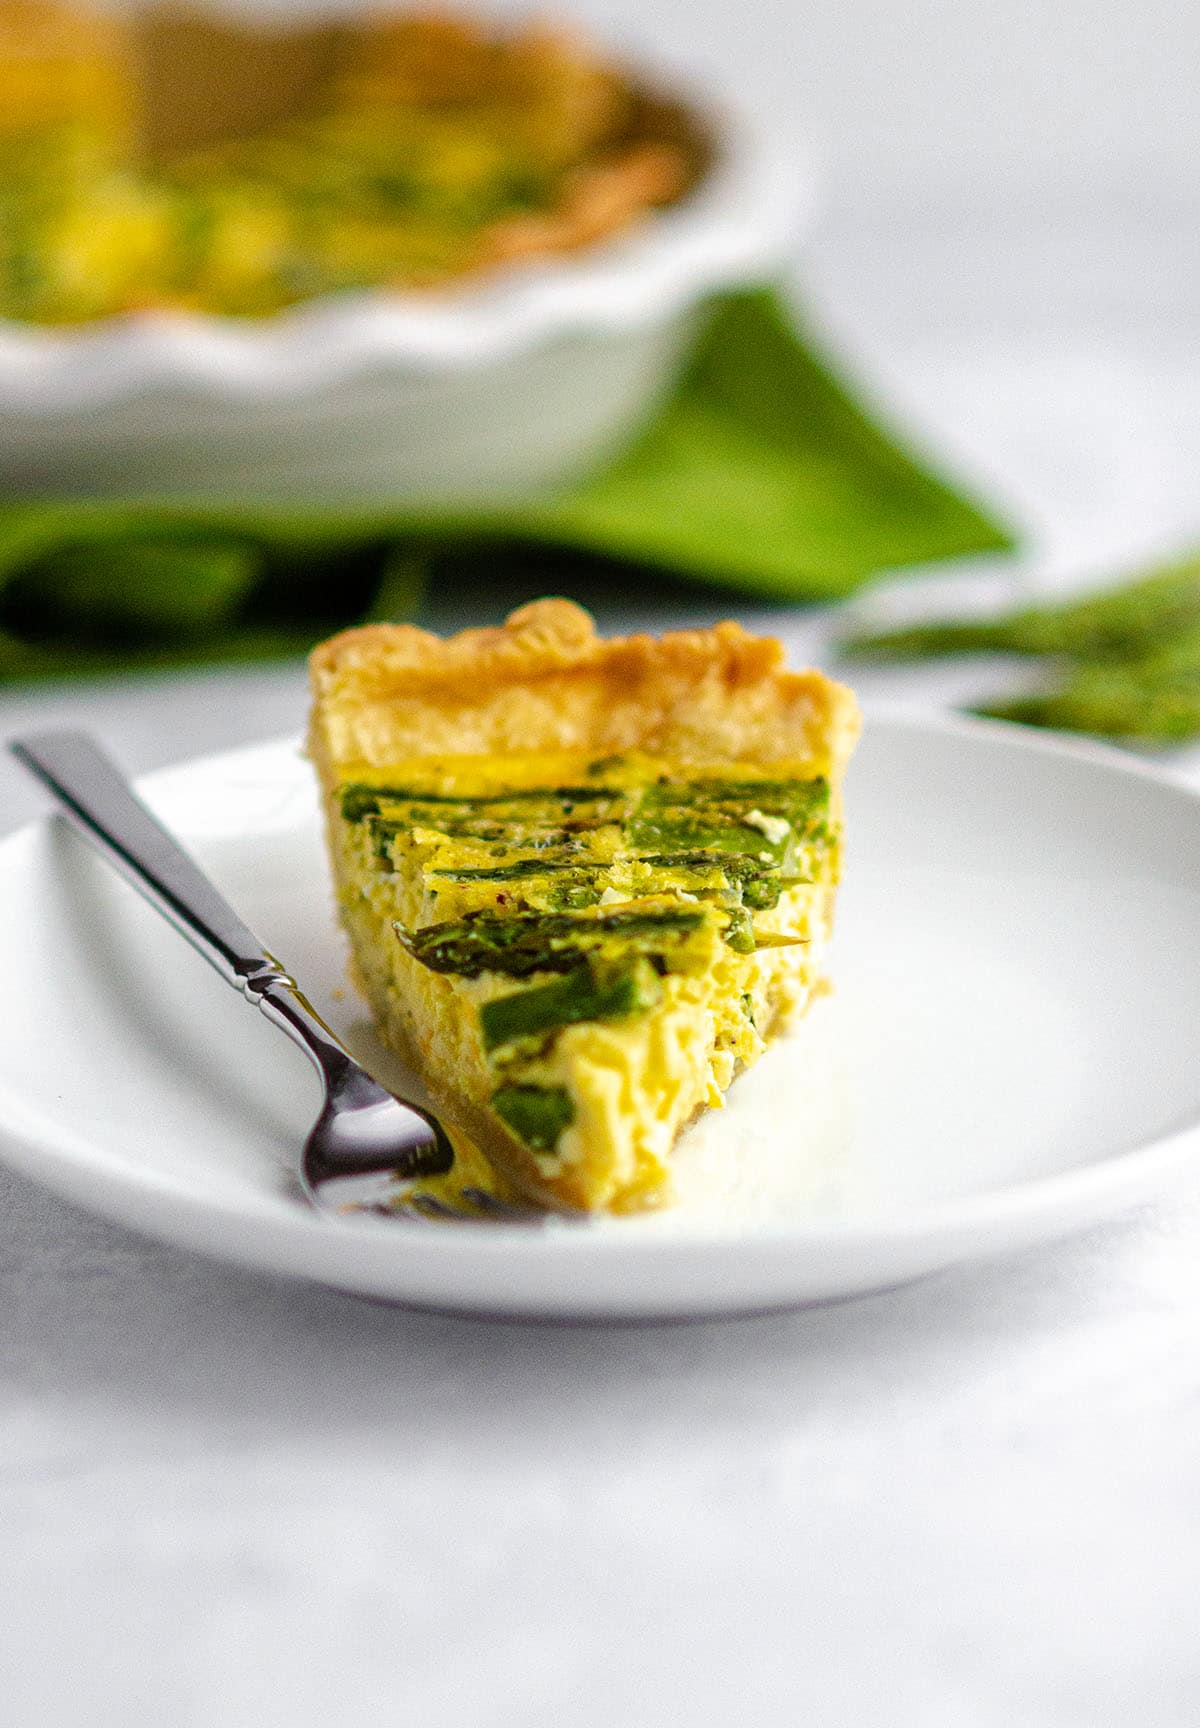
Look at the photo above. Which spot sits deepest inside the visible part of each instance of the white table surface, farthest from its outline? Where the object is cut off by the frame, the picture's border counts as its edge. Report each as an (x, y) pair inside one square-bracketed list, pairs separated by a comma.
[(227, 1499)]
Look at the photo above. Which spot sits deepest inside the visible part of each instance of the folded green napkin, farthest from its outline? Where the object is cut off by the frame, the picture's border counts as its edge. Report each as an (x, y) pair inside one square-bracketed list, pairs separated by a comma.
[(760, 474)]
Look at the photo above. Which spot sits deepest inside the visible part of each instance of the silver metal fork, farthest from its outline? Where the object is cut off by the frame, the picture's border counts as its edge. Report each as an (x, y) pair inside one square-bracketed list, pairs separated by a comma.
[(364, 1139)]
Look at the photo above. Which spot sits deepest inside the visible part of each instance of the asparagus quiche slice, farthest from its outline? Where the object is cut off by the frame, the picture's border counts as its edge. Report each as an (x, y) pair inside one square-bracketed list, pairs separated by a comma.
[(585, 881)]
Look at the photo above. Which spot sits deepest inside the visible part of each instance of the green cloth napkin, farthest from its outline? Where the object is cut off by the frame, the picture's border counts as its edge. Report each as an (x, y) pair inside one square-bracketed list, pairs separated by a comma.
[(760, 474)]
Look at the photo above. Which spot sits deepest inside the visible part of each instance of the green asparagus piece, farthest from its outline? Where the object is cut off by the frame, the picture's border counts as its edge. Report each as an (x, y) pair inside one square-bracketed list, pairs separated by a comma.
[(1128, 659), (679, 832), (1108, 704), (586, 994), (1113, 623), (797, 801), (538, 1115), (1154, 699), (741, 934), (757, 884), (547, 941), (735, 817), (560, 844), (521, 869), (359, 800)]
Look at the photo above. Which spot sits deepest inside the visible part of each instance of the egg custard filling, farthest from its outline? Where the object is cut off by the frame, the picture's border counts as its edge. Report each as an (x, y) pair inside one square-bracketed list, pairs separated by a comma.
[(579, 948)]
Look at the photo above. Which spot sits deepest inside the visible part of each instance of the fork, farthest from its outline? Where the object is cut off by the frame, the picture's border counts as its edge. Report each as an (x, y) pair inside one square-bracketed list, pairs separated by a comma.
[(365, 1139)]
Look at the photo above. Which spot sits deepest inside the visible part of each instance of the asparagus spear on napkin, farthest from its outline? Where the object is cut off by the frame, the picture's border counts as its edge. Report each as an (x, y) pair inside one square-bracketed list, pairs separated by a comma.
[(1126, 661)]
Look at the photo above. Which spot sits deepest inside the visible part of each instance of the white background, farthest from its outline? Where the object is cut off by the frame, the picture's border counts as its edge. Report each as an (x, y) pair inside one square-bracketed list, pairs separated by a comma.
[(901, 93), (975, 1503), (929, 92)]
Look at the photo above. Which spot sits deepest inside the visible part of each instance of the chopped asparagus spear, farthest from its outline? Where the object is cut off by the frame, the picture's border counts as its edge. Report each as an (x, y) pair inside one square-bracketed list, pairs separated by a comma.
[(1120, 621), (740, 932), (360, 799), (538, 1115), (582, 995), (1131, 702), (681, 832), (521, 868), (549, 941)]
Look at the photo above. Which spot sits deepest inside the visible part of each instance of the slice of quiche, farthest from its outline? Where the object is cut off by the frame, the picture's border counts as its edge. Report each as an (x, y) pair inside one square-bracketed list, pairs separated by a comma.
[(584, 881)]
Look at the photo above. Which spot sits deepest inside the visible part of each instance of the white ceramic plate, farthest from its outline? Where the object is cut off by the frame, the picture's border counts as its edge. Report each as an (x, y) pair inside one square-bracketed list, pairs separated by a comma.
[(1010, 1051)]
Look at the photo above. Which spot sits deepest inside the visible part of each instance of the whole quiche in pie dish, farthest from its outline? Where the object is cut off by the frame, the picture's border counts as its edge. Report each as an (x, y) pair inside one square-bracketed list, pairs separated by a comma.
[(585, 881), (201, 163)]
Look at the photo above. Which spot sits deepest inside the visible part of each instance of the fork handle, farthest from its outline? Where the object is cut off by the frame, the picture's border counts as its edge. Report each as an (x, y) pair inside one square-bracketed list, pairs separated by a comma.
[(100, 803)]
